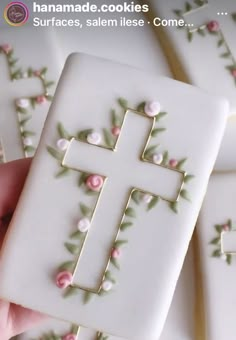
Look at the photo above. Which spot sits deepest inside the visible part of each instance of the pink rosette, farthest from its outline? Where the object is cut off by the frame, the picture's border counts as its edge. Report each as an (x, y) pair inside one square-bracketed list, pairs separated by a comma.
[(94, 182), (41, 99), (6, 48), (234, 72), (115, 131), (69, 336), (173, 163), (213, 26), (64, 279)]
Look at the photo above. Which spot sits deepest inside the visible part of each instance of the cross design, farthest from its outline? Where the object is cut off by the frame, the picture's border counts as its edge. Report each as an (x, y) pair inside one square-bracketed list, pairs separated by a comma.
[(10, 92), (125, 169)]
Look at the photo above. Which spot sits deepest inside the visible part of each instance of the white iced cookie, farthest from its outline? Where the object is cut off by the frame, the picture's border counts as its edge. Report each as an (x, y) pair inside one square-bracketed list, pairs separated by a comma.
[(27, 84), (208, 26), (217, 236), (105, 186)]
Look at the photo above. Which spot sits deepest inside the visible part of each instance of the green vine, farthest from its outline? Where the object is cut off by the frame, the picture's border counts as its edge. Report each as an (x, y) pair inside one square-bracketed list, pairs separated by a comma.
[(212, 28), (24, 106), (77, 238), (74, 331), (216, 241)]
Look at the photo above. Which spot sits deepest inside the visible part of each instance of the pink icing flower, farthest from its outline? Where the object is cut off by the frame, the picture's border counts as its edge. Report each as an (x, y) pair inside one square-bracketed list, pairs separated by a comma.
[(152, 108), (115, 131), (6, 48), (234, 72), (213, 26), (173, 163), (94, 182), (64, 279), (37, 73), (115, 254), (69, 336), (226, 227), (41, 99)]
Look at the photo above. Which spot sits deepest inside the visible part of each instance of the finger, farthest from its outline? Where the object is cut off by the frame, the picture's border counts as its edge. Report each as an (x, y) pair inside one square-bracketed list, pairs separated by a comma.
[(12, 178), (22, 319)]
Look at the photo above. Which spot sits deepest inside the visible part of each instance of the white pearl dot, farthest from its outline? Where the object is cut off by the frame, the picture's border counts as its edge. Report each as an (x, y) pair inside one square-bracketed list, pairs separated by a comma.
[(84, 225), (94, 138), (27, 141), (62, 144), (107, 285), (23, 103), (157, 158)]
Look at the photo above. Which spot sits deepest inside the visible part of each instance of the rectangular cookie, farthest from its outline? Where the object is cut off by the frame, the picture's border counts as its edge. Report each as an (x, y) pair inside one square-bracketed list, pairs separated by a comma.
[(114, 191), (199, 40)]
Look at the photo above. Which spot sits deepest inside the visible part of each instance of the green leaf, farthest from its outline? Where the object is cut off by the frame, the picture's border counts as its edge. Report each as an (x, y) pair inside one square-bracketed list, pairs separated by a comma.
[(216, 253), (72, 248), (174, 207), (70, 291), (234, 16), (85, 210), (28, 133), (87, 297), (199, 2), (160, 115), (230, 223), (130, 212), (49, 83), (229, 259), (218, 228), (21, 110), (108, 138), (136, 196), (178, 12), (30, 72), (125, 225), (165, 158), (115, 263), (62, 172), (77, 235), (153, 203), (69, 266), (115, 119), (120, 243), (184, 194), (201, 32), (155, 132), (24, 121), (82, 178), (190, 36), (123, 103), (215, 240), (225, 55), (141, 106), (49, 98), (44, 70), (82, 135), (220, 42), (13, 62), (74, 329), (188, 178), (150, 151), (54, 153), (33, 102), (62, 131), (181, 163), (29, 148), (188, 7)]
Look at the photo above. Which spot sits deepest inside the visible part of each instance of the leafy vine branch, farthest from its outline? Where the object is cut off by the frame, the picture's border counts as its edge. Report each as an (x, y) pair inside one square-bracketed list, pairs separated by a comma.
[(213, 28), (92, 184), (23, 106)]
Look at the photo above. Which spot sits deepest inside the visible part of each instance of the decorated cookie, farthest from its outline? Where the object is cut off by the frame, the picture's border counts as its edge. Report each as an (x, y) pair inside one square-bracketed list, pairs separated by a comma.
[(202, 48), (217, 239), (101, 206), (27, 86)]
